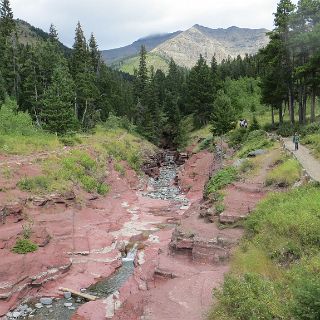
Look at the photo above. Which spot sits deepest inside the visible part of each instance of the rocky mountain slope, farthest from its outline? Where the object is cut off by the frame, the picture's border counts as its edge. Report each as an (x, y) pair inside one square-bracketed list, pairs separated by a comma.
[(185, 47), (151, 42)]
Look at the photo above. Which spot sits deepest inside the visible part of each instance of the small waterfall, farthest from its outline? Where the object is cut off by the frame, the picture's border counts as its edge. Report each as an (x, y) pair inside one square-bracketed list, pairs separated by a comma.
[(131, 254)]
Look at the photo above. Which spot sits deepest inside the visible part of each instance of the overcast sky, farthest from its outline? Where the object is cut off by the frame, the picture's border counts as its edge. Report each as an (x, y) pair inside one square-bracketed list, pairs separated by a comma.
[(120, 22)]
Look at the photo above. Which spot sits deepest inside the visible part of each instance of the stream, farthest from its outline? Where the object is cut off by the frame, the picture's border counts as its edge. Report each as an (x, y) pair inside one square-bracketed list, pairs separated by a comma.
[(61, 308)]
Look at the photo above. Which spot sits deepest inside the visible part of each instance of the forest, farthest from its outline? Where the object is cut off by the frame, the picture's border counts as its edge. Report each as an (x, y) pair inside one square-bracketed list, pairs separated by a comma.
[(70, 91)]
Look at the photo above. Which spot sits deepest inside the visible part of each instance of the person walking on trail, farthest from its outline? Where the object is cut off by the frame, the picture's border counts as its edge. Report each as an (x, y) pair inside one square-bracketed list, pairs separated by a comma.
[(296, 140)]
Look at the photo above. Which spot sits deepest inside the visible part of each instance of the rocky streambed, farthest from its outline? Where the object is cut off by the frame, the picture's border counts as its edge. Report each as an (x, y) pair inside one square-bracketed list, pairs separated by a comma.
[(161, 186)]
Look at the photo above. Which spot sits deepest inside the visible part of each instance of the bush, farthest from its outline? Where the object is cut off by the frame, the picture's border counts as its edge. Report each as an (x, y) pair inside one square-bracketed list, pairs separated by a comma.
[(285, 174), (310, 129), (221, 179), (114, 122), (306, 293), (14, 122), (248, 297), (40, 183), (24, 246), (255, 140), (286, 129), (70, 141), (238, 136)]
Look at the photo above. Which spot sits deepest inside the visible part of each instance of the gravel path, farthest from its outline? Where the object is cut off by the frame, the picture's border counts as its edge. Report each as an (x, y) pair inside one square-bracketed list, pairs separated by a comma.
[(306, 159)]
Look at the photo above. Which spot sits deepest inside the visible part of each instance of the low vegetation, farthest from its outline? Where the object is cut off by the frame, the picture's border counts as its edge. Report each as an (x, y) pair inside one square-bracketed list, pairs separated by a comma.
[(18, 134), (78, 168), (275, 271), (221, 179), (24, 246), (285, 174)]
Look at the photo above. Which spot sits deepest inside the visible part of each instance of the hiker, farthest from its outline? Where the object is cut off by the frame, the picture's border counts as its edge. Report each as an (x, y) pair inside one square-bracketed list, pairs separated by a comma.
[(296, 140)]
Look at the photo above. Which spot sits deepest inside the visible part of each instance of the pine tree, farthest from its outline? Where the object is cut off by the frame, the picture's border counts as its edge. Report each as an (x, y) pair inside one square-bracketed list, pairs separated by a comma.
[(200, 92), (223, 117), (94, 54), (8, 49), (58, 114), (142, 73), (53, 34)]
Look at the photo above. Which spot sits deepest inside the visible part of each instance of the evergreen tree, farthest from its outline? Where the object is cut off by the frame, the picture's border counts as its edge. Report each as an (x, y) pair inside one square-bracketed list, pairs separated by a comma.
[(142, 73), (8, 49), (94, 54), (58, 114), (200, 92), (223, 117), (53, 34)]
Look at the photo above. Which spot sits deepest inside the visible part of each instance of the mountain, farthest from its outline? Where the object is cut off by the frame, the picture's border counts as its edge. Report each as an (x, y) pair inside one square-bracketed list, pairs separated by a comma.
[(185, 47), (28, 34), (150, 42)]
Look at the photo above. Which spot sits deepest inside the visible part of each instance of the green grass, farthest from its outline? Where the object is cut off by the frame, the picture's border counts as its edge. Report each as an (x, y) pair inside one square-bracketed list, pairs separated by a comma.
[(24, 246), (275, 272), (221, 179), (130, 64), (252, 141), (78, 168), (313, 141), (25, 145), (285, 174)]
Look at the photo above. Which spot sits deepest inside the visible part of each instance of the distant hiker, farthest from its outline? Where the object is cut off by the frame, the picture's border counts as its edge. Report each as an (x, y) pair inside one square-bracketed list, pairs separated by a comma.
[(296, 140), (243, 123)]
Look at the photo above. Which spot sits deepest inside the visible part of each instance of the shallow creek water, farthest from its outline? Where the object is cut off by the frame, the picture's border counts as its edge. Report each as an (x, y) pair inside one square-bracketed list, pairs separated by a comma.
[(161, 188)]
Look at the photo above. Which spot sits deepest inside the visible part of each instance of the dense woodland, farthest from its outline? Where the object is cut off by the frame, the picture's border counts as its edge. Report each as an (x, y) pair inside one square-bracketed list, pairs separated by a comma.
[(69, 91)]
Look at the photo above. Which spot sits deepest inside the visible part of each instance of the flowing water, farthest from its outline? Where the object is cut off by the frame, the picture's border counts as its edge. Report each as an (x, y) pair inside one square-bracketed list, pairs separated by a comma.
[(161, 188)]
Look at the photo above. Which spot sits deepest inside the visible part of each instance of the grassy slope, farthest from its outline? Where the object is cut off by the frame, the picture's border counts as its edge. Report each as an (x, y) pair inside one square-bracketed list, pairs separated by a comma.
[(275, 270), (154, 60)]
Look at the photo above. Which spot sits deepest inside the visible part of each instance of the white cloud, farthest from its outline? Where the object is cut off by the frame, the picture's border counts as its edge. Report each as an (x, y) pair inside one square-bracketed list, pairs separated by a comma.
[(117, 23)]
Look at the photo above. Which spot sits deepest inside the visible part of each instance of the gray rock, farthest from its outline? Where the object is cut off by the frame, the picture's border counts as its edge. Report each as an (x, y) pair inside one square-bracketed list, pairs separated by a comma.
[(16, 314), (46, 301), (255, 153), (9, 314), (38, 305), (71, 308), (68, 304), (67, 295)]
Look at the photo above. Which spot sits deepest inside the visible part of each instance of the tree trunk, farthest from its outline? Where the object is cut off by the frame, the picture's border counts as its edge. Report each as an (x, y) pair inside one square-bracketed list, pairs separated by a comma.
[(291, 106), (272, 116), (313, 105), (84, 113), (280, 114), (304, 105), (300, 105)]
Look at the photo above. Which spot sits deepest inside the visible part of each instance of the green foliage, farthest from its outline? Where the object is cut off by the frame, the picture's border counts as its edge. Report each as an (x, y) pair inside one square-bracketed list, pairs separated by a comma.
[(248, 297), (24, 246), (14, 122), (275, 271), (119, 167), (246, 166), (306, 297), (223, 118), (237, 137), (221, 179), (313, 141), (286, 225), (36, 184), (285, 174), (254, 141), (113, 122), (70, 141)]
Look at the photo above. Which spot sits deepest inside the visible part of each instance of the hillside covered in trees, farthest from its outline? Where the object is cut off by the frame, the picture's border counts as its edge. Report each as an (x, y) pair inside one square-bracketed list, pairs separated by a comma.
[(69, 92)]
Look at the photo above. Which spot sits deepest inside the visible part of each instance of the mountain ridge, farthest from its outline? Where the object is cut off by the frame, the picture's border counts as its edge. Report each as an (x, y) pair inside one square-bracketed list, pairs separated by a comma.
[(186, 46)]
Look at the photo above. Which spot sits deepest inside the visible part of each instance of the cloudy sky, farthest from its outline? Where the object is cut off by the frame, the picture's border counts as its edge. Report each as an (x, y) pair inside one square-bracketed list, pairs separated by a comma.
[(119, 22)]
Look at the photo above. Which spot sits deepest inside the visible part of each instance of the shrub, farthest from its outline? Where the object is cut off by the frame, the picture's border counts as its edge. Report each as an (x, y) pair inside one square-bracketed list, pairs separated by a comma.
[(114, 122), (237, 136), (119, 167), (24, 246), (14, 122), (286, 129), (306, 301), (285, 174), (255, 140), (246, 166), (40, 183), (70, 141), (310, 129), (221, 179), (249, 296)]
